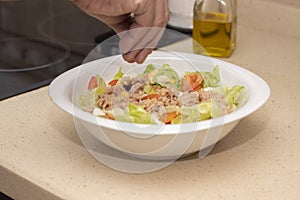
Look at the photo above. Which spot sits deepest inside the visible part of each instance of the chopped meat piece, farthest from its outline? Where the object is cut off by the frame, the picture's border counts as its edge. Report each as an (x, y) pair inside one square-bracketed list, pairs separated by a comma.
[(167, 96), (128, 82), (117, 90), (193, 98), (219, 99), (188, 98), (114, 97), (204, 95), (104, 101), (158, 110), (136, 88), (120, 102)]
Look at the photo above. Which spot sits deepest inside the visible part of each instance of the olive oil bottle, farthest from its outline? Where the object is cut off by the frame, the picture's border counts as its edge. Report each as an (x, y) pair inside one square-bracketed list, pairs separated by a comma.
[(214, 27)]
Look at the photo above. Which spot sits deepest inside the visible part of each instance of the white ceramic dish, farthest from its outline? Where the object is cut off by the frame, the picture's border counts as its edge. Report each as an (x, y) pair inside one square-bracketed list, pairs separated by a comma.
[(156, 141)]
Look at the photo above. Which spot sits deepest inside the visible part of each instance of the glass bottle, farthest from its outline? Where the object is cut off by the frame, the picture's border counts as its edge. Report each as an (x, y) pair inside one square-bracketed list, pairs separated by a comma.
[(214, 27)]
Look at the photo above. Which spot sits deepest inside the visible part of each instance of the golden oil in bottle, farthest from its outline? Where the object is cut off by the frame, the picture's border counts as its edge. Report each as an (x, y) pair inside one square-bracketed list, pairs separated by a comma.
[(214, 33)]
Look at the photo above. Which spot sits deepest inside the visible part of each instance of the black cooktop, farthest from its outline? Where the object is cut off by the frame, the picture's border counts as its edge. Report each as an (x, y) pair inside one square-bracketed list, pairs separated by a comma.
[(44, 39), (41, 39)]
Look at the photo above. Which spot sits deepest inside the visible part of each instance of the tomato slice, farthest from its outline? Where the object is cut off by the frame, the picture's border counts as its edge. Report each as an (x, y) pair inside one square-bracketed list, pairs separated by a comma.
[(170, 116), (191, 82), (113, 82), (93, 83), (151, 96), (107, 116)]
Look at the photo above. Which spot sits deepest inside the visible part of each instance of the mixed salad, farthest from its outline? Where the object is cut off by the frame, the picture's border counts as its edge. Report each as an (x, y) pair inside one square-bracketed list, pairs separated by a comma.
[(160, 95)]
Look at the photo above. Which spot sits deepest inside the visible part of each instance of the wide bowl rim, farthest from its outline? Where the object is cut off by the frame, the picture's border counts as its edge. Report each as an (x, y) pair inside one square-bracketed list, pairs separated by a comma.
[(61, 88)]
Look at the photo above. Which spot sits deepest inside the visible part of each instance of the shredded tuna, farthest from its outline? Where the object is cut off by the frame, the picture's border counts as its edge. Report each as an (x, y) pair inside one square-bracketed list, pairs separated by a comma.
[(158, 110), (105, 101), (137, 88), (193, 98), (167, 97)]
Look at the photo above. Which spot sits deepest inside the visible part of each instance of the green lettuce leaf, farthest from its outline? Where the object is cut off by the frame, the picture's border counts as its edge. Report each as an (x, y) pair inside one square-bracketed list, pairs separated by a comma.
[(101, 86), (88, 102), (194, 113), (203, 111), (211, 79), (134, 114), (148, 89), (121, 115), (149, 69), (119, 74), (166, 76), (234, 96), (139, 115)]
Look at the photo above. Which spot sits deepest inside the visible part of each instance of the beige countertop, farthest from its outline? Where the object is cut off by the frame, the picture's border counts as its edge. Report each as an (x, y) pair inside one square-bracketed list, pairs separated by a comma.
[(41, 156)]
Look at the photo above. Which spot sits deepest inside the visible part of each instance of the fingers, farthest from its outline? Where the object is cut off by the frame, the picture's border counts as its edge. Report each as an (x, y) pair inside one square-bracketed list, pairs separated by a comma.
[(107, 7), (137, 43), (138, 56), (141, 57), (131, 56), (131, 40)]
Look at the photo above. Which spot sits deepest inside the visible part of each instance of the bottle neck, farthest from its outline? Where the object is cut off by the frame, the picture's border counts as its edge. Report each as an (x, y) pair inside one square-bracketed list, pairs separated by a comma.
[(225, 9)]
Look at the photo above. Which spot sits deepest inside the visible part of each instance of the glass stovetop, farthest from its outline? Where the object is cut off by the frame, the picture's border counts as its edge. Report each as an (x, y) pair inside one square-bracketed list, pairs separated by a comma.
[(41, 39)]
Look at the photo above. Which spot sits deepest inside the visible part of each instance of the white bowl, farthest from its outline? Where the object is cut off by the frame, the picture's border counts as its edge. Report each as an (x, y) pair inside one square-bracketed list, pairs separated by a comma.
[(156, 141)]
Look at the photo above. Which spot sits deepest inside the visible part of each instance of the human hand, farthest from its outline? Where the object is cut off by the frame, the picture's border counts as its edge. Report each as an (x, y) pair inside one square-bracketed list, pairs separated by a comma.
[(133, 20)]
